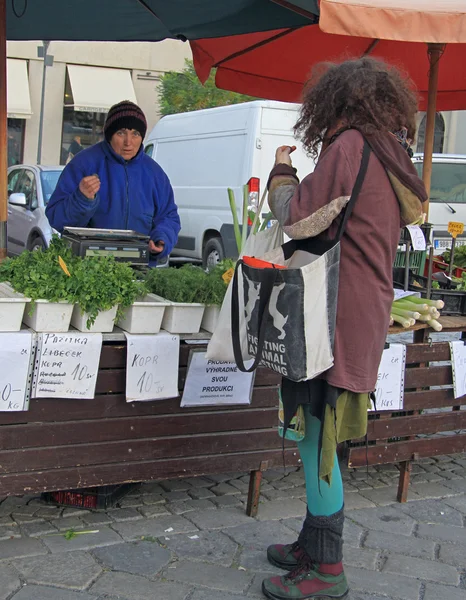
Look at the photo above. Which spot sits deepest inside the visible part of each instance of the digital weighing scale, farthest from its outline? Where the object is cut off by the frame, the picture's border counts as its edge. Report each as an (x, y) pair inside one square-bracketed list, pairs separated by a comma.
[(125, 245)]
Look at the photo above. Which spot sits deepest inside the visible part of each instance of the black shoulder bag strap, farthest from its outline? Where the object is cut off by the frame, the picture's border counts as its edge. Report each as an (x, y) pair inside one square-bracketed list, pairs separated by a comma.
[(356, 189)]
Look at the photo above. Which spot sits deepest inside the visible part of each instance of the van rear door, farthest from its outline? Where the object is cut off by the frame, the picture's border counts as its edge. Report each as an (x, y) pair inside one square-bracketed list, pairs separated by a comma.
[(447, 198)]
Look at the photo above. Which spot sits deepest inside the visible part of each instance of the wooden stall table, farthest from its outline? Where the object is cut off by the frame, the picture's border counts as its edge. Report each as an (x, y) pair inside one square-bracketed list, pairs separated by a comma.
[(408, 435), (63, 444)]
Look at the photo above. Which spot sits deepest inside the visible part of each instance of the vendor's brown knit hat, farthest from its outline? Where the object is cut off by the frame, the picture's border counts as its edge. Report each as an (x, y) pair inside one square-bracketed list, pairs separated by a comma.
[(124, 115)]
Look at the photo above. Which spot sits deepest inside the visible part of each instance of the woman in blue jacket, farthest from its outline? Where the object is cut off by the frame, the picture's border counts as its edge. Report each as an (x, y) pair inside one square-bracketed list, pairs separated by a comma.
[(115, 185)]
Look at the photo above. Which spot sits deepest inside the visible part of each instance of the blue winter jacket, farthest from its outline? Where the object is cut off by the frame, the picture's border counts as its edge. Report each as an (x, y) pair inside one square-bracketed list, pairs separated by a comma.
[(134, 194)]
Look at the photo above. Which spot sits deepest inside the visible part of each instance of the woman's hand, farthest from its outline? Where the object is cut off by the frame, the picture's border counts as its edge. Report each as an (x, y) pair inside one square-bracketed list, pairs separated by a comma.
[(156, 247), (282, 155), (89, 186)]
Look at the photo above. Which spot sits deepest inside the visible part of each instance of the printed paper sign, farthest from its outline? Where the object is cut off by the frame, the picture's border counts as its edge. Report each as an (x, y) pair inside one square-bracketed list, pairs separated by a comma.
[(215, 382), (417, 237), (67, 365), (458, 365), (16, 363), (152, 366), (389, 392)]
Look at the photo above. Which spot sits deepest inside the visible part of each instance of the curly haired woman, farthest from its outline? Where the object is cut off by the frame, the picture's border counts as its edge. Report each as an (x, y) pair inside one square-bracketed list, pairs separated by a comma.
[(344, 105)]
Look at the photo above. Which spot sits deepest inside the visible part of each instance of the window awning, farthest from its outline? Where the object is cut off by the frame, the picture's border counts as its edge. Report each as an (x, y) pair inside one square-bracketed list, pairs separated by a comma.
[(18, 98), (96, 89)]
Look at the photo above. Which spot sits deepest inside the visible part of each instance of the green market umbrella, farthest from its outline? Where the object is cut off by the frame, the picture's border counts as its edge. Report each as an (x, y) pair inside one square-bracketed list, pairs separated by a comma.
[(132, 20)]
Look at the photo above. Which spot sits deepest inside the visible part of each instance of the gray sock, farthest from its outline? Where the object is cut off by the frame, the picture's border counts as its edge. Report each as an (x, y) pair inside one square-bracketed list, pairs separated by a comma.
[(322, 537)]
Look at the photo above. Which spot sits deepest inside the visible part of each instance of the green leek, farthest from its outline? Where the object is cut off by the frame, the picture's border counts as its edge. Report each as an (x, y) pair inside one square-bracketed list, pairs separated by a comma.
[(231, 197)]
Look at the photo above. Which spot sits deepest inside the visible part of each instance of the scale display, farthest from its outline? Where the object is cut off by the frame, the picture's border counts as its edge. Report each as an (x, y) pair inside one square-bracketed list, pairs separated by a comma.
[(125, 245)]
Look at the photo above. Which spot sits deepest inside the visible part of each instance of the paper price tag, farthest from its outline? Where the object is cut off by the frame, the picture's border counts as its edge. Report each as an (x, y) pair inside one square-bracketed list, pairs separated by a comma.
[(417, 237), (215, 383), (389, 393), (455, 228), (16, 358), (458, 365), (152, 366), (67, 365)]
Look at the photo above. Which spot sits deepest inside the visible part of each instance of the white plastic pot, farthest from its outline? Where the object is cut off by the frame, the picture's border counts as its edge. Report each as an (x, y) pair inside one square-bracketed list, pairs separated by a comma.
[(182, 317), (210, 318), (51, 317), (144, 315), (12, 307), (103, 323)]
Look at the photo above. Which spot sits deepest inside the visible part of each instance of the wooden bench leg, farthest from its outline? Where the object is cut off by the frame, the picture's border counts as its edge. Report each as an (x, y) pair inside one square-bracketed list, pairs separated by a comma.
[(403, 483), (254, 493)]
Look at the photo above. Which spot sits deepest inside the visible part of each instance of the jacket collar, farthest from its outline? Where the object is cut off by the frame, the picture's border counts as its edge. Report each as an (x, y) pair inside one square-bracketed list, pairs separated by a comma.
[(112, 155)]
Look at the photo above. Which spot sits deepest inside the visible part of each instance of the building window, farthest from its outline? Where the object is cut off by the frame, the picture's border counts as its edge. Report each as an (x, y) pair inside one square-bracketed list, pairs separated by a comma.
[(439, 134), (80, 129), (15, 141)]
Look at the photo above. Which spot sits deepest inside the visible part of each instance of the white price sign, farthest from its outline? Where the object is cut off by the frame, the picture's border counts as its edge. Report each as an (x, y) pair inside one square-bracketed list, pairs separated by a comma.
[(389, 393), (215, 382), (152, 366), (16, 356), (67, 365), (417, 237), (458, 365)]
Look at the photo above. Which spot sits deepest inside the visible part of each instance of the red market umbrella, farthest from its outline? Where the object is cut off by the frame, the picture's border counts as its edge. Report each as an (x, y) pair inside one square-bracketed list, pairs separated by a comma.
[(277, 63)]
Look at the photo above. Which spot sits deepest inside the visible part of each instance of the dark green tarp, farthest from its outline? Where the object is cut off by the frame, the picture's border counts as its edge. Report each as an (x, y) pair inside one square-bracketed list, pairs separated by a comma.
[(148, 20)]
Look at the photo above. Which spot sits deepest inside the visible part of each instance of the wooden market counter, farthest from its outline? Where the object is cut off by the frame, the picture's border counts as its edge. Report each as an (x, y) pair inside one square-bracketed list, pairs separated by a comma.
[(65, 444), (432, 422), (61, 444)]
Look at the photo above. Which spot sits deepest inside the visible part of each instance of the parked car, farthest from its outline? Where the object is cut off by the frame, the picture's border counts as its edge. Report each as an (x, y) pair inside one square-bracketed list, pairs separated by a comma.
[(205, 152), (447, 196), (29, 190)]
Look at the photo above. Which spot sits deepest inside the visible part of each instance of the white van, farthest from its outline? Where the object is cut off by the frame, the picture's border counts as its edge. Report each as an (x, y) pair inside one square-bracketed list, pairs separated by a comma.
[(447, 196), (207, 151)]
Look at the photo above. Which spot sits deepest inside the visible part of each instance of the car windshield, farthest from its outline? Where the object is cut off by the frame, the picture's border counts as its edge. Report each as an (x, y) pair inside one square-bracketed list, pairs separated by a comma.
[(448, 182), (49, 180)]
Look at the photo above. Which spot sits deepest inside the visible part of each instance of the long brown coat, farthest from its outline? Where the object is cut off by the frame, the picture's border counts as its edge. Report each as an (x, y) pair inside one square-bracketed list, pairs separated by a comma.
[(368, 247)]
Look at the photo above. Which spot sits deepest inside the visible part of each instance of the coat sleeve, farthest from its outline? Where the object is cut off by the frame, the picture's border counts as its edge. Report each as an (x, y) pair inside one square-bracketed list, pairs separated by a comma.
[(308, 208), (68, 207), (167, 222)]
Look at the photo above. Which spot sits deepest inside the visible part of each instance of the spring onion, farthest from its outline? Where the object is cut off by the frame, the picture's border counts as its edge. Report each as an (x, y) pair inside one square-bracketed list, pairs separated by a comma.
[(435, 325), (406, 323), (408, 314), (435, 303)]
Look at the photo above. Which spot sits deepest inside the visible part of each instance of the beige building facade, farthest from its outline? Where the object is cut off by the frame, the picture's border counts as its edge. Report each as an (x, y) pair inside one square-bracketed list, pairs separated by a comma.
[(85, 80)]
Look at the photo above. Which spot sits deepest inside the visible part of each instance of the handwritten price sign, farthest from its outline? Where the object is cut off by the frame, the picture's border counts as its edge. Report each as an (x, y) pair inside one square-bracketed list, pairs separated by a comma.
[(152, 366), (389, 393), (455, 228), (15, 369), (67, 365)]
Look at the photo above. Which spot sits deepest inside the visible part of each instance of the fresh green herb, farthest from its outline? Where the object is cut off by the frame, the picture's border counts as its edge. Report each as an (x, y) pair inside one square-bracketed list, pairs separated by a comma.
[(94, 283), (215, 285), (38, 275), (459, 258), (190, 283), (100, 283), (178, 285)]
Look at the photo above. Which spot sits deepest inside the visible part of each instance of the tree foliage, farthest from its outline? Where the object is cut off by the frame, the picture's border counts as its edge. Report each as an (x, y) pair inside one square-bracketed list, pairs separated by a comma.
[(183, 92)]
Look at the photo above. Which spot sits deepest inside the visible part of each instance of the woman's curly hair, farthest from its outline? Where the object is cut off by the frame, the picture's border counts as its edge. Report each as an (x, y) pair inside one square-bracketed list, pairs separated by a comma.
[(364, 93)]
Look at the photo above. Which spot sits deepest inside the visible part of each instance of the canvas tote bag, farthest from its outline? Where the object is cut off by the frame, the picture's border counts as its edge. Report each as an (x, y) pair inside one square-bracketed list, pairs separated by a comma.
[(220, 346), (286, 316)]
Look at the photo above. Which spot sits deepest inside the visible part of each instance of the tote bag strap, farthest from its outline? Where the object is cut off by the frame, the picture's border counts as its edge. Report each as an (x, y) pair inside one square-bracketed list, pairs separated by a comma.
[(356, 189), (267, 283)]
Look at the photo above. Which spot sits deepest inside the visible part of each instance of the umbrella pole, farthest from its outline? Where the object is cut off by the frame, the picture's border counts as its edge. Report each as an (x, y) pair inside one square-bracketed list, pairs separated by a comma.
[(3, 133), (434, 52)]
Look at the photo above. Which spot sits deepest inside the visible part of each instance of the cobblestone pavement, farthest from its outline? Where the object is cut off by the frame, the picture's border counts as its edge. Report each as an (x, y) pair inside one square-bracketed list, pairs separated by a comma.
[(190, 539)]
